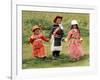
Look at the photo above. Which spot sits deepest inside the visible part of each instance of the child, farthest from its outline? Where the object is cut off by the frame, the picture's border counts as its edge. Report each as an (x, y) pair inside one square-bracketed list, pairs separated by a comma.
[(74, 39), (56, 35), (38, 49)]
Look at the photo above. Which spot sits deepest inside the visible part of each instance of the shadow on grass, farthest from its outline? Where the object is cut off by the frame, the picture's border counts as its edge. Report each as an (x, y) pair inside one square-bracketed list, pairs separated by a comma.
[(63, 61)]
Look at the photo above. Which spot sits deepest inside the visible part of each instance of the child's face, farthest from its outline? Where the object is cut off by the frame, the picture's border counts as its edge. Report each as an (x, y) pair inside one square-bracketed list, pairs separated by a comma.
[(74, 26), (58, 21), (37, 31)]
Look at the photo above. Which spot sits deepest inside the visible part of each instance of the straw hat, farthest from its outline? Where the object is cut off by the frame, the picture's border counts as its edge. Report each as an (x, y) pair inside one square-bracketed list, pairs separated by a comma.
[(73, 22), (35, 27)]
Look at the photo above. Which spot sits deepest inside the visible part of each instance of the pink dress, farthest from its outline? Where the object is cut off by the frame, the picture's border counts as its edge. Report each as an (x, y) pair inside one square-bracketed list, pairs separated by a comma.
[(38, 49), (74, 49)]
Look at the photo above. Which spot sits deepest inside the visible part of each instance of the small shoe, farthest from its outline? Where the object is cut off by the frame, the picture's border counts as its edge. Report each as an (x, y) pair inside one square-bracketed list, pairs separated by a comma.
[(44, 57)]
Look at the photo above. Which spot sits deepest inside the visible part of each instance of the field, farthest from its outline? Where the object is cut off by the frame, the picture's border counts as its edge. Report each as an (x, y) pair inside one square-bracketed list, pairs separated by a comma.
[(30, 18)]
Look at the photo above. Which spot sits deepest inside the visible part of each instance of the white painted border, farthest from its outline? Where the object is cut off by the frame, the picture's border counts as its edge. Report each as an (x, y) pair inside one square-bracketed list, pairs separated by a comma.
[(18, 73)]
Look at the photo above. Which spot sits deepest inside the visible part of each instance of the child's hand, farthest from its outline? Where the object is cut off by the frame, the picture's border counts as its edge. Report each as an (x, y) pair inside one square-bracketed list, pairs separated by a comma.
[(63, 39), (81, 39), (32, 37), (66, 39)]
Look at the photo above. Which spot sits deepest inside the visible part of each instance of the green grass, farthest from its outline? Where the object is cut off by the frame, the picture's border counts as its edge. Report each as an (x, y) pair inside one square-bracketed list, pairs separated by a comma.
[(30, 18), (64, 61), (49, 63)]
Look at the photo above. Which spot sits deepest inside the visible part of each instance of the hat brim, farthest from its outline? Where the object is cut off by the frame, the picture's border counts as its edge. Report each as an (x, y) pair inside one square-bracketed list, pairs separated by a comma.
[(35, 29)]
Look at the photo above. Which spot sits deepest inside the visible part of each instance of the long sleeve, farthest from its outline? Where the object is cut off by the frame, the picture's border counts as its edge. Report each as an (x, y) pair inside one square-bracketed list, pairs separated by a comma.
[(51, 32), (62, 33), (62, 30), (61, 26), (44, 38), (31, 39), (69, 35)]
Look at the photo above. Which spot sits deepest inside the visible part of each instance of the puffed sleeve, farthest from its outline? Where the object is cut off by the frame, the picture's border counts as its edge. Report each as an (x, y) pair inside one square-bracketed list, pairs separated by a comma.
[(31, 39)]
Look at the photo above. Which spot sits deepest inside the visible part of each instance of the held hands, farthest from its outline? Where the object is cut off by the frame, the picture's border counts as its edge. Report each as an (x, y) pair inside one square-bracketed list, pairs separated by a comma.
[(81, 39), (66, 40), (63, 39)]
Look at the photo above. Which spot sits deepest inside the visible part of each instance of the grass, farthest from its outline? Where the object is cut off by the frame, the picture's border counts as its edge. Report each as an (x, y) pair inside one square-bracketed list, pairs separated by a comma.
[(64, 61)]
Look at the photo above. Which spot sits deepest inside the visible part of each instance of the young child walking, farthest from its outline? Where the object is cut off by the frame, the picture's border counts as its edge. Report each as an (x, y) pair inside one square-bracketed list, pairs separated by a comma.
[(56, 35), (74, 42), (36, 39)]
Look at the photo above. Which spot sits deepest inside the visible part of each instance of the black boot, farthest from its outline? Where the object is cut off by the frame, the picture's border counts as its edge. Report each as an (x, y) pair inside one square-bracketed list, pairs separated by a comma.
[(57, 54), (54, 55)]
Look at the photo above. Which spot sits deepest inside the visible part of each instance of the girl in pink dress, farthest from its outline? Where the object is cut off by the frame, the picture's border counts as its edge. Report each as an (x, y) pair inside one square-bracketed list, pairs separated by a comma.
[(74, 39)]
